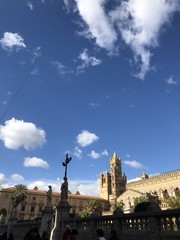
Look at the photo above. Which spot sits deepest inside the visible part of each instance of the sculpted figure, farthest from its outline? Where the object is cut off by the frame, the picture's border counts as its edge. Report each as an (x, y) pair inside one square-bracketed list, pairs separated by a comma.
[(49, 195)]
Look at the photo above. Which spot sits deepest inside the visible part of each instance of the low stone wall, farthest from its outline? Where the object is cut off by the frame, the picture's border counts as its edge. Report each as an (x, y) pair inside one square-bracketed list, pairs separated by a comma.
[(157, 225), (154, 225), (19, 229)]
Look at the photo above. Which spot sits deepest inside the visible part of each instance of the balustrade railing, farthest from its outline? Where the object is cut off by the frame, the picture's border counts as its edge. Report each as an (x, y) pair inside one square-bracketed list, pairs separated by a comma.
[(148, 225)]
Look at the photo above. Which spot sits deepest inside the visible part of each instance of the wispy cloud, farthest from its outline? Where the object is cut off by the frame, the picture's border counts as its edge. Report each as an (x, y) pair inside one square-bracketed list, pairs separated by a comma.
[(17, 177), (86, 138), (171, 81), (136, 23), (61, 68), (140, 23), (94, 154), (2, 179), (12, 41), (87, 61), (98, 25), (105, 152), (36, 53), (35, 71), (94, 105), (35, 162), (30, 5), (17, 133), (77, 152), (134, 164)]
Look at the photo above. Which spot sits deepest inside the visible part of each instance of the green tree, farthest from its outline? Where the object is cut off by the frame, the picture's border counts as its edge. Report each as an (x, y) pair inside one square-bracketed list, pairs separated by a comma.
[(140, 199), (93, 206), (118, 205), (77, 193), (19, 195), (174, 202), (84, 213)]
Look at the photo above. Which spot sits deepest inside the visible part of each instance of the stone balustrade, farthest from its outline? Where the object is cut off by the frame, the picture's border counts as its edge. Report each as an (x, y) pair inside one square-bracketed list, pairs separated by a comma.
[(152, 225)]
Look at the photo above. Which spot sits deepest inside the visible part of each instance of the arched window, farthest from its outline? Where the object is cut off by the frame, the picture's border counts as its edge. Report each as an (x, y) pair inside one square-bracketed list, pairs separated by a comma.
[(32, 208), (177, 192)]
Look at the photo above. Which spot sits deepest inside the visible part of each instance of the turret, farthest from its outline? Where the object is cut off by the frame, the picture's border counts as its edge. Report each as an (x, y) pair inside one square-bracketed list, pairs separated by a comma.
[(118, 182)]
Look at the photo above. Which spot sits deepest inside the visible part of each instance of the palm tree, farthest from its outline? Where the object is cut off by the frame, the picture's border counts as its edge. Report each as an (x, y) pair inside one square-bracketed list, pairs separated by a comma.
[(19, 195)]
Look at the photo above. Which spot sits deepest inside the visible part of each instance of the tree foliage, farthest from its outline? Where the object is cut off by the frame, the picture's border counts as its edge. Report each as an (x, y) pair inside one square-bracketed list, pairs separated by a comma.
[(19, 195), (93, 206), (140, 199), (118, 205), (77, 193), (174, 202)]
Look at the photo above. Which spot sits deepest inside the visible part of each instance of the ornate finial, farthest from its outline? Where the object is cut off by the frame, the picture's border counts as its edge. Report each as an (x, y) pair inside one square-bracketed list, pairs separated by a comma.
[(65, 163), (114, 155)]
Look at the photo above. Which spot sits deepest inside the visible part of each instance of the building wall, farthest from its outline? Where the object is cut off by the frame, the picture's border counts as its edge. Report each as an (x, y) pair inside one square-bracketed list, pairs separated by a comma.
[(36, 200), (163, 186)]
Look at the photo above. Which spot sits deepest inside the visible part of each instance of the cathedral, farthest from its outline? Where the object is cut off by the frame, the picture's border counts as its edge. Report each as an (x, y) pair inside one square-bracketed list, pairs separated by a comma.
[(115, 188)]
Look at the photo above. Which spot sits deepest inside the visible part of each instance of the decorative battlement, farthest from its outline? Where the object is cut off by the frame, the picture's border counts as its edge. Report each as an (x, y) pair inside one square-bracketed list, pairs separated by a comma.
[(155, 179)]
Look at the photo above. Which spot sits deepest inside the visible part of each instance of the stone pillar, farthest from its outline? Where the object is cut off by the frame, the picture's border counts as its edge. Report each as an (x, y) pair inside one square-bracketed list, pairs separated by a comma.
[(62, 213), (48, 212), (47, 220)]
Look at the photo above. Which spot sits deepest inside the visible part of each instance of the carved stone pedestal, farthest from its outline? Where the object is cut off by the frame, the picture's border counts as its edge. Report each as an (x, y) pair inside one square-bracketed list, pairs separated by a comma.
[(47, 219), (62, 213)]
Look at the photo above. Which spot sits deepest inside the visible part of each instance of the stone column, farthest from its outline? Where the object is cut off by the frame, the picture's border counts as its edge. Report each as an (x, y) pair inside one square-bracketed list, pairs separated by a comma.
[(47, 220), (48, 212), (62, 213), (63, 208)]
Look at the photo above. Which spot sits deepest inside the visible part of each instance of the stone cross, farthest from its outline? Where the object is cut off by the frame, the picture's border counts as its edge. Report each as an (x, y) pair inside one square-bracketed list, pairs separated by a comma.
[(65, 163)]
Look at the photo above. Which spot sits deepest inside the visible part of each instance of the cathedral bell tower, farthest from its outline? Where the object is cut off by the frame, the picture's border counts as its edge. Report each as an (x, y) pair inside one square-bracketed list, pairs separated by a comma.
[(118, 182)]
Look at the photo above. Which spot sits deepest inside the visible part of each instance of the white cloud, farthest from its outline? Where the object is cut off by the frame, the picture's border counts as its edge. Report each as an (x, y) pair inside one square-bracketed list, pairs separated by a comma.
[(2, 178), (36, 53), (86, 138), (94, 154), (30, 5), (134, 164), (17, 133), (61, 68), (87, 61), (94, 105), (140, 22), (85, 187), (104, 152), (17, 177), (35, 162), (69, 4), (89, 188), (133, 179), (78, 152), (171, 81), (99, 25), (35, 71), (12, 40)]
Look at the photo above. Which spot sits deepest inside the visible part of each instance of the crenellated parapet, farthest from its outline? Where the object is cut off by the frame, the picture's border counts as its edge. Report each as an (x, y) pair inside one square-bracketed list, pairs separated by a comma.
[(158, 179)]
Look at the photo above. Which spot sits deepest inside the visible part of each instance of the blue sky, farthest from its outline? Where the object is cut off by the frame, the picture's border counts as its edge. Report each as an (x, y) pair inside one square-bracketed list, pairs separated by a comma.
[(88, 78)]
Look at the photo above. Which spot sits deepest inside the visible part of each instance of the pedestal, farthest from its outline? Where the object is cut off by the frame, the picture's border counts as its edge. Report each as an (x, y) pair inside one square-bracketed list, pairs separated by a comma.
[(62, 213), (47, 219)]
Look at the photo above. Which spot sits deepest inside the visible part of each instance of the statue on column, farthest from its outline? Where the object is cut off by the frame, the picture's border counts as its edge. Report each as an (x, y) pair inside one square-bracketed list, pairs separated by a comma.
[(49, 196), (64, 186)]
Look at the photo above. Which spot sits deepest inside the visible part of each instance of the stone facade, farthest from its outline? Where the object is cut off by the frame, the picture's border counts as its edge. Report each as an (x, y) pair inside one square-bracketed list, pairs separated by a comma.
[(114, 186), (36, 201)]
